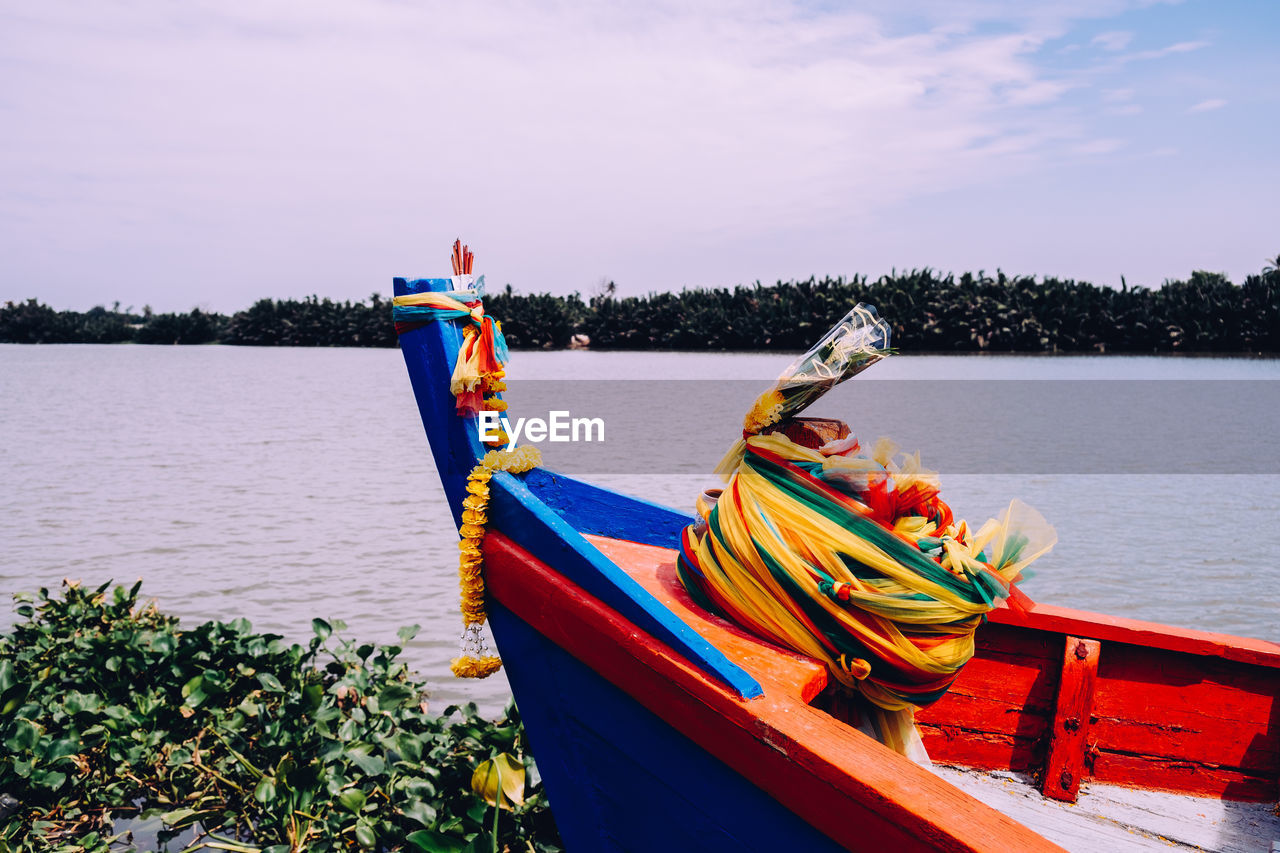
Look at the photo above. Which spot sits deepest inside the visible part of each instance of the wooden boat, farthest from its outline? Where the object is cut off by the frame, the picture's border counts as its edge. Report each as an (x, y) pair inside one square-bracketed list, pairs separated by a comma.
[(658, 726)]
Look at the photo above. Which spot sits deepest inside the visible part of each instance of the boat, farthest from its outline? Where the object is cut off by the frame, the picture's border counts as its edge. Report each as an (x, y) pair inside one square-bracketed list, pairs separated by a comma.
[(659, 726)]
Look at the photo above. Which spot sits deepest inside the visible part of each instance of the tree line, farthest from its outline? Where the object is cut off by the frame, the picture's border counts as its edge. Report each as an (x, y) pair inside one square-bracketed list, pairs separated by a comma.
[(310, 322), (929, 312)]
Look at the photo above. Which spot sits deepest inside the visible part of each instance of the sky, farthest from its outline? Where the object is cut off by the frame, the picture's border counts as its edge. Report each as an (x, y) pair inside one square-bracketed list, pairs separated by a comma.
[(210, 153)]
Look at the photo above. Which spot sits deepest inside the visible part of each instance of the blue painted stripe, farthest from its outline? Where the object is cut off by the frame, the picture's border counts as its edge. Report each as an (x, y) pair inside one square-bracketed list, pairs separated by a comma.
[(591, 509), (515, 511)]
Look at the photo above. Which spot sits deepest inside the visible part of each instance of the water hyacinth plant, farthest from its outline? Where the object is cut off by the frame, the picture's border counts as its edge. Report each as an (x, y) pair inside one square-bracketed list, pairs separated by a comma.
[(239, 741)]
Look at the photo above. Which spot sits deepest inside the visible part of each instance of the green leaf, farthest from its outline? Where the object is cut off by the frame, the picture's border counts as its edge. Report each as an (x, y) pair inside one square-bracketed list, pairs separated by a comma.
[(270, 682), (410, 746), (179, 818), (215, 681), (429, 841), (266, 790), (24, 738), (12, 699), (503, 771), (374, 765), (6, 675), (322, 628), (408, 632), (352, 800), (394, 695), (423, 813), (51, 779), (482, 843), (61, 748), (312, 697), (365, 835)]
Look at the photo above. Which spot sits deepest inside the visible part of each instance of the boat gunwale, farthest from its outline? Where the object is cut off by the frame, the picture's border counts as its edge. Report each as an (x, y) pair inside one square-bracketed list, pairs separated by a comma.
[(768, 739), (1153, 635)]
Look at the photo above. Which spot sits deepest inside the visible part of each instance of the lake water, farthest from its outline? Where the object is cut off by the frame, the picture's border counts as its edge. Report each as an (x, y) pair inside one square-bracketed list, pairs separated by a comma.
[(284, 484)]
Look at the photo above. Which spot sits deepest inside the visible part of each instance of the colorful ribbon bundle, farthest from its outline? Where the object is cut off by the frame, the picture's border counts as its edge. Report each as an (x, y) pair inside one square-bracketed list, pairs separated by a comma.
[(855, 560), (479, 367), (478, 371)]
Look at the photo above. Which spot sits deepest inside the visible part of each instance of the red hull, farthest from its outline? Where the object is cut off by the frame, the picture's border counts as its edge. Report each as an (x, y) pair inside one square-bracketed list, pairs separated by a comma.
[(1168, 709), (1162, 708)]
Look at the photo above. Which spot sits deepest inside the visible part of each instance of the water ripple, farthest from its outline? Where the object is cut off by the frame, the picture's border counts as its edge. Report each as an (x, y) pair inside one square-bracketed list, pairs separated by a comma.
[(280, 485)]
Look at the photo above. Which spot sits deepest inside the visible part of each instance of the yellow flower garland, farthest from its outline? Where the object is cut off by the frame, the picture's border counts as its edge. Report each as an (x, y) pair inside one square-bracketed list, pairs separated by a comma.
[(473, 662), (491, 385), (766, 412)]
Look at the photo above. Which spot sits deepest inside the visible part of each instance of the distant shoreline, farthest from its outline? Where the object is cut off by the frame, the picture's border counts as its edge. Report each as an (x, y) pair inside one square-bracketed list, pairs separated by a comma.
[(1173, 354), (930, 313)]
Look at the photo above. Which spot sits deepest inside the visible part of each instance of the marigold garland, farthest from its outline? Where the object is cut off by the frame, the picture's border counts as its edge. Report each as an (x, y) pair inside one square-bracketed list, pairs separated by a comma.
[(473, 660), (478, 377), (766, 412)]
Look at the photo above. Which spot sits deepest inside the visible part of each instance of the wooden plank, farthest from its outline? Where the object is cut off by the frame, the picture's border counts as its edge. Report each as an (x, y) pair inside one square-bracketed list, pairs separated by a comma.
[(1099, 626), (995, 692), (1188, 777), (840, 781), (1113, 818), (1065, 766), (997, 713), (1205, 710), (981, 750)]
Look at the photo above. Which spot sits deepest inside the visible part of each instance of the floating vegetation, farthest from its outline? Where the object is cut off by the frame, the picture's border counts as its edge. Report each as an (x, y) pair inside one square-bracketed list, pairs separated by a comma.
[(242, 741)]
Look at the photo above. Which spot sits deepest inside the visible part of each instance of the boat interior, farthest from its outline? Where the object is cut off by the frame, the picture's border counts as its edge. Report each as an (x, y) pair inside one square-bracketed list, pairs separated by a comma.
[(1177, 747)]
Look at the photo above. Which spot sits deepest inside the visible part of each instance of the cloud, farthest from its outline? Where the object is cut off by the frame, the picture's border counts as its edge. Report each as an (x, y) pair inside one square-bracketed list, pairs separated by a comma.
[(1099, 146), (1169, 50), (236, 141), (1206, 106), (1114, 40)]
